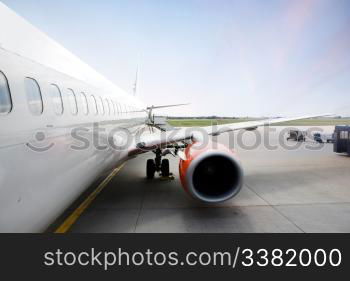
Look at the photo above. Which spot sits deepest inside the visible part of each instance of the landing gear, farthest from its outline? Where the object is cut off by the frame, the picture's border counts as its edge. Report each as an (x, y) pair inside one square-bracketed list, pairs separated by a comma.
[(165, 168), (158, 165), (150, 168)]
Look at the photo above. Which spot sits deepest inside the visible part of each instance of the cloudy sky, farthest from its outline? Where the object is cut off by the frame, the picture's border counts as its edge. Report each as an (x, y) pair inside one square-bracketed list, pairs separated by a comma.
[(225, 57)]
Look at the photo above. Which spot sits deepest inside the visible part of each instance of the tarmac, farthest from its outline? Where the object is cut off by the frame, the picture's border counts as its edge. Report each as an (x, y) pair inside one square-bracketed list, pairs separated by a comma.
[(290, 188)]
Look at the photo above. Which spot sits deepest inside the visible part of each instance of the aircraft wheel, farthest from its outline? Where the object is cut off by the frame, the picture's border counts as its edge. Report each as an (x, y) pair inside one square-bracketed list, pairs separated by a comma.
[(150, 168), (165, 168)]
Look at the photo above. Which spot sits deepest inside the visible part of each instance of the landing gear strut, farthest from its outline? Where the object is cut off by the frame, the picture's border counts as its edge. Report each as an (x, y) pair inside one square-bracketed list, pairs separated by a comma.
[(157, 165)]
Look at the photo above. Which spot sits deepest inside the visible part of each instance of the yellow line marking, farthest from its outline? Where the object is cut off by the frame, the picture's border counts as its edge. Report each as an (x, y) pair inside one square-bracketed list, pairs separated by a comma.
[(67, 224)]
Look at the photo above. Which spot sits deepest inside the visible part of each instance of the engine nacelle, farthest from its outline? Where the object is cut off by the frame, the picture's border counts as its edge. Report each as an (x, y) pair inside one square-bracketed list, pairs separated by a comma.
[(210, 173)]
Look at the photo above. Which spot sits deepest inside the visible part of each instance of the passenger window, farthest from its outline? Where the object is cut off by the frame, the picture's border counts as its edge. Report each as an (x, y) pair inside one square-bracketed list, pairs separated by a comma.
[(84, 103), (108, 108), (72, 102), (118, 109), (98, 102), (5, 96), (35, 102), (113, 105), (94, 105), (101, 106), (56, 99)]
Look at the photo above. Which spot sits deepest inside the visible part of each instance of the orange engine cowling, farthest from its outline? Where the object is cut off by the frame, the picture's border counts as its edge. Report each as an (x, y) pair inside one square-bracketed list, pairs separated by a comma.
[(210, 173)]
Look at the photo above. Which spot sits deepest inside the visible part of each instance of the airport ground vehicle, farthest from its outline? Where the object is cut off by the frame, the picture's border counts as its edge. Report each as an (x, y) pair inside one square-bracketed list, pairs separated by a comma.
[(321, 138), (296, 135), (342, 139)]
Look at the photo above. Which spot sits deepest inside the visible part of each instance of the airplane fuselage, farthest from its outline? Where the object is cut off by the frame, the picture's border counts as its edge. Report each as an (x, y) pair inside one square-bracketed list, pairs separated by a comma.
[(43, 166)]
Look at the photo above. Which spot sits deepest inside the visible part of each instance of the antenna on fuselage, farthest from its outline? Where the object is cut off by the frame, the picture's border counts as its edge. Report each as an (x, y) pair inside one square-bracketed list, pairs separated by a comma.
[(134, 88)]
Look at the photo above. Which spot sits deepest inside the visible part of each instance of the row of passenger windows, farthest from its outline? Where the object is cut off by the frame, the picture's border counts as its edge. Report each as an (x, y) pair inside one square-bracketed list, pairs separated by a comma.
[(76, 102)]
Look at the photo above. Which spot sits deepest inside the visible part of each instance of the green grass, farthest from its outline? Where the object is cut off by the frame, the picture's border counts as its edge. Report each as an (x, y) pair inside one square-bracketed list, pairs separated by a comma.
[(209, 122), (203, 122), (316, 122)]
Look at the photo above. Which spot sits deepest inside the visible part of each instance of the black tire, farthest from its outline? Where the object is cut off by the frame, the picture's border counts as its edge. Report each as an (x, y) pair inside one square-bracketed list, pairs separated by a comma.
[(165, 168), (150, 168)]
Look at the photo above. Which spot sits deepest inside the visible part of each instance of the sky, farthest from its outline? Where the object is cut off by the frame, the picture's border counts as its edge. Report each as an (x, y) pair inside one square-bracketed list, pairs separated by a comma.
[(224, 57)]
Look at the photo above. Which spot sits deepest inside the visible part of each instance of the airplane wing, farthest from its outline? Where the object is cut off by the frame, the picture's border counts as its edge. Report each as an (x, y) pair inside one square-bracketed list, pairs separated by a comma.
[(144, 143), (254, 124)]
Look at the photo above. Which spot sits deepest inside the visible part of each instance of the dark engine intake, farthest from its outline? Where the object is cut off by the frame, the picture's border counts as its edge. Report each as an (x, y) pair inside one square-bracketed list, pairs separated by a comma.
[(211, 173)]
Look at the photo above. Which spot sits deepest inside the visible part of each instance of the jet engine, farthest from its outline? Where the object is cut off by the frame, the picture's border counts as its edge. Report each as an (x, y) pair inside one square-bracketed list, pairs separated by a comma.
[(210, 172)]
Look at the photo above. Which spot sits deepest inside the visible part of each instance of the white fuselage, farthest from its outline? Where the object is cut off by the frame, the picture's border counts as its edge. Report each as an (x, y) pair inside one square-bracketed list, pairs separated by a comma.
[(37, 186)]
